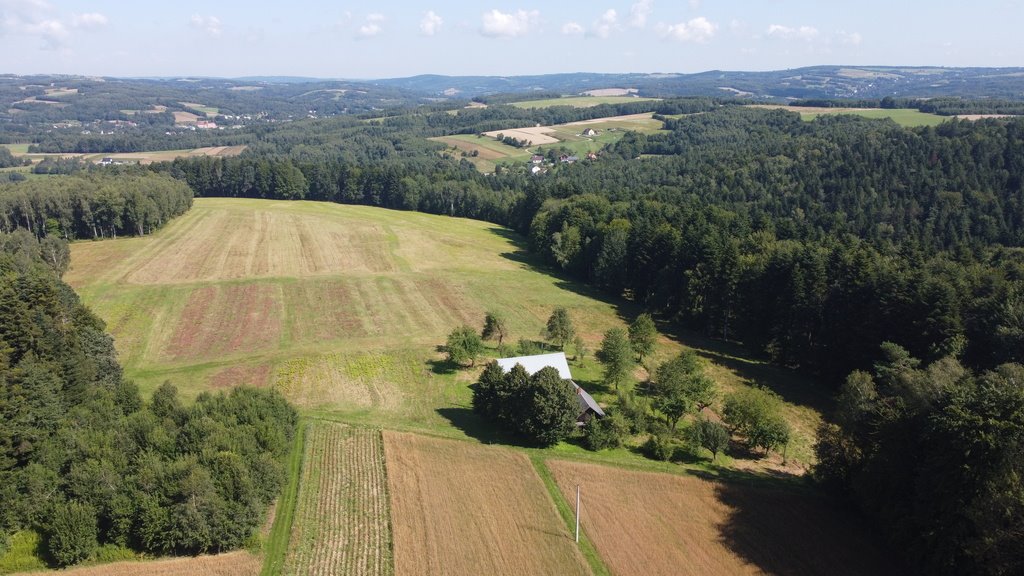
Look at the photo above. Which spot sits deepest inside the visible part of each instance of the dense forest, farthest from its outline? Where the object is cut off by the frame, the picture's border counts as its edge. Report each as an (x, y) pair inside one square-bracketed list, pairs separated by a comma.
[(87, 463), (120, 202)]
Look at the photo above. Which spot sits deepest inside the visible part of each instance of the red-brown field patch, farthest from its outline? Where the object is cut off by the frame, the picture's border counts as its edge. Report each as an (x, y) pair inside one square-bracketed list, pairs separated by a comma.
[(460, 508), (226, 320), (256, 376), (647, 523)]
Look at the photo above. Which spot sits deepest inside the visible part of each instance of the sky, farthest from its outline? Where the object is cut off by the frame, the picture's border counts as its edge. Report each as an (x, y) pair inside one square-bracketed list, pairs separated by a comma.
[(390, 38)]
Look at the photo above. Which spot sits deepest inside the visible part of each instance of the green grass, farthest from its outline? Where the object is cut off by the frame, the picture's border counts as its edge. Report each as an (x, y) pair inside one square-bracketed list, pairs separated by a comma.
[(903, 117), (580, 101), (21, 148), (276, 546)]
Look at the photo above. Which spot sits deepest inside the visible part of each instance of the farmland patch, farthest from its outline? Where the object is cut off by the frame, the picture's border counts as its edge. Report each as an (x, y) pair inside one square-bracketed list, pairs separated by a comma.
[(226, 320), (239, 563), (648, 523), (460, 508), (341, 523)]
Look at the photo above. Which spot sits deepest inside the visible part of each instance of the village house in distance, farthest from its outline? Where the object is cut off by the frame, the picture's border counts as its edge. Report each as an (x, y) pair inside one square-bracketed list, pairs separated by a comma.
[(588, 406)]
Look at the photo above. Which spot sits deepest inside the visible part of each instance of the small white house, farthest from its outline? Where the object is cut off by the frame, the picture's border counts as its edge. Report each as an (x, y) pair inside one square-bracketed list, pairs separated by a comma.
[(533, 364)]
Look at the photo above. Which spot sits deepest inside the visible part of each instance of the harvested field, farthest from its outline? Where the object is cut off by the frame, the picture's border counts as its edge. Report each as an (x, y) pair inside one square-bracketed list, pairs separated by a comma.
[(459, 508), (341, 523), (647, 523), (537, 135), (236, 244), (185, 117), (239, 563), (256, 376)]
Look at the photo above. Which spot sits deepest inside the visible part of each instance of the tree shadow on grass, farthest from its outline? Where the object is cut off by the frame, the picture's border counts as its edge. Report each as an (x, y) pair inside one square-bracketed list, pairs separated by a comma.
[(475, 426), (442, 367)]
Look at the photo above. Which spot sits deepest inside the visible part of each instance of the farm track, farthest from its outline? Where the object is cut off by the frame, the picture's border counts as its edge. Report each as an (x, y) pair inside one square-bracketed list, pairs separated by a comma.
[(341, 522)]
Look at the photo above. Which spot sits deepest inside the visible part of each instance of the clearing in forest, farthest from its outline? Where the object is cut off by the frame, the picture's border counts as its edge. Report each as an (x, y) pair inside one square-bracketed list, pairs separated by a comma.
[(341, 520), (461, 508), (239, 563), (652, 523)]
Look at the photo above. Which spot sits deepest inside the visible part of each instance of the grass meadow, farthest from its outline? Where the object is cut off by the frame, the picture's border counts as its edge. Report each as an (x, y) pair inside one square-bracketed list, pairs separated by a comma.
[(581, 101)]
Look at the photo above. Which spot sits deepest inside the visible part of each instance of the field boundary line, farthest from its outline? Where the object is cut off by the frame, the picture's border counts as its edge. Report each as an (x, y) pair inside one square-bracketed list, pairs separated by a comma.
[(597, 565), (280, 533)]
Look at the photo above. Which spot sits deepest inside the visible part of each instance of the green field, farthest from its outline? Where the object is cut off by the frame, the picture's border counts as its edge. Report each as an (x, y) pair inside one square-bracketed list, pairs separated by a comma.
[(17, 148), (902, 116), (580, 101)]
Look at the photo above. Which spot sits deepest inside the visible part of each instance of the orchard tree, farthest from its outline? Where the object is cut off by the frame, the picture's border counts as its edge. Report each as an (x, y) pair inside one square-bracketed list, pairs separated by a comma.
[(495, 326), (642, 336), (559, 328), (463, 345), (756, 414), (710, 435), (681, 386), (616, 355), (548, 408)]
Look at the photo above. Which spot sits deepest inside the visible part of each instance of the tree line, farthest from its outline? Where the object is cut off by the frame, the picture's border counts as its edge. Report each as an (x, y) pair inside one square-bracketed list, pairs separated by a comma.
[(87, 463), (106, 204)]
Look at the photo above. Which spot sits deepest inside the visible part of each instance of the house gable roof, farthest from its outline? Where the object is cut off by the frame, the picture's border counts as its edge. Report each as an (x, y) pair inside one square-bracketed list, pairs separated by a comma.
[(557, 360)]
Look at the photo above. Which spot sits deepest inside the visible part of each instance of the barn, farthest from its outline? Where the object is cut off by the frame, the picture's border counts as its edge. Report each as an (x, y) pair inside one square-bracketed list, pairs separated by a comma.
[(588, 406)]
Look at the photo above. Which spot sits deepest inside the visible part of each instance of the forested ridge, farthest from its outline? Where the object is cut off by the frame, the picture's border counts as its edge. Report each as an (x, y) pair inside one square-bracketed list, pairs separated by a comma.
[(86, 462)]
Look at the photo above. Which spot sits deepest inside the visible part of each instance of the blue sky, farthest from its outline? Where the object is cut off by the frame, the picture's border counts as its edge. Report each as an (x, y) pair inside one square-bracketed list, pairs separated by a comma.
[(387, 38)]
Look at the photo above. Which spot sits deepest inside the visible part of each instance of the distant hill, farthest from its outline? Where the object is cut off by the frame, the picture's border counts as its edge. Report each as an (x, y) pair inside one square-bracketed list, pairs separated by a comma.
[(812, 82)]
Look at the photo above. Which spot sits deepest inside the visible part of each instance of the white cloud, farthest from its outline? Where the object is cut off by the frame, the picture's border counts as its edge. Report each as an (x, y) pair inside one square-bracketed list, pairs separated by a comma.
[(209, 24), (372, 26), (606, 24), (572, 29), (698, 30), (430, 24), (89, 20), (851, 38), (639, 12), (497, 24), (34, 18), (786, 33)]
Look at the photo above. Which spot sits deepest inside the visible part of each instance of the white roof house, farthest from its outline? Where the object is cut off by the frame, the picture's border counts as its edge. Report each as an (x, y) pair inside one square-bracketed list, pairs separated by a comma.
[(557, 360)]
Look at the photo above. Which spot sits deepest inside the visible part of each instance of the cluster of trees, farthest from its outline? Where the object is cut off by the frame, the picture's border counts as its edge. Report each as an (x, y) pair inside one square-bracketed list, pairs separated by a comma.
[(935, 454), (943, 105), (540, 408), (87, 463), (513, 141), (95, 205)]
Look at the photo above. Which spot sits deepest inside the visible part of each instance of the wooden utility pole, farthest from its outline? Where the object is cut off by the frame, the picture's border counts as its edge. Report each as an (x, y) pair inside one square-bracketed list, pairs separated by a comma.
[(577, 513)]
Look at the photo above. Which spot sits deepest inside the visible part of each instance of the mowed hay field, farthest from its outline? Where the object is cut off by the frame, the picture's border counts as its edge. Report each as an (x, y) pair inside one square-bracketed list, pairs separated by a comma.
[(461, 508), (341, 524), (652, 523), (340, 307), (239, 563)]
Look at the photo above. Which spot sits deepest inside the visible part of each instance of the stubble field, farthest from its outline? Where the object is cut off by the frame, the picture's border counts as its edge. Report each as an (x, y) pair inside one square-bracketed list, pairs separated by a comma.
[(651, 523), (459, 508), (341, 522)]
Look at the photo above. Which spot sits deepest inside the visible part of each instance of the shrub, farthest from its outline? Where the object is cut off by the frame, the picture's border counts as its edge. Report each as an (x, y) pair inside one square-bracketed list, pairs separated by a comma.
[(659, 447), (607, 432), (72, 533)]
